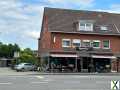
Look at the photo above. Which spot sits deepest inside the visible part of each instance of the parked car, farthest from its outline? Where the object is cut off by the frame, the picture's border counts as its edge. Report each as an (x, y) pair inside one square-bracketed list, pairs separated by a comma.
[(25, 67)]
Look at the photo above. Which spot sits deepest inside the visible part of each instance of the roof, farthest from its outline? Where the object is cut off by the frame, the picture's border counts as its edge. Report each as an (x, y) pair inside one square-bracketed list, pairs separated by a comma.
[(65, 20)]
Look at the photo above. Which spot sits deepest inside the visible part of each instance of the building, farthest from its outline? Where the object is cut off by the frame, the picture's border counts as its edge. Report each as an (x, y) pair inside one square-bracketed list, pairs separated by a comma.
[(35, 53), (5, 62), (80, 41)]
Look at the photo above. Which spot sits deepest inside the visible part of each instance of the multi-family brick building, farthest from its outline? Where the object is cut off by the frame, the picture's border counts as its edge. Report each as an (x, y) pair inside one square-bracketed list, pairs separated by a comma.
[(81, 41)]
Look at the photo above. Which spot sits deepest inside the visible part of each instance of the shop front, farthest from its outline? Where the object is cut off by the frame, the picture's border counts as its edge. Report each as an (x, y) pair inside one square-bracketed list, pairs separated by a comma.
[(95, 63), (62, 62), (80, 62)]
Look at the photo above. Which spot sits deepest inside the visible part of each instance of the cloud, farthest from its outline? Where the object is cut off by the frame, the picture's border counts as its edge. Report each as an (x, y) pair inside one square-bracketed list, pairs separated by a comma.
[(55, 1), (32, 34), (72, 3), (16, 19), (115, 8)]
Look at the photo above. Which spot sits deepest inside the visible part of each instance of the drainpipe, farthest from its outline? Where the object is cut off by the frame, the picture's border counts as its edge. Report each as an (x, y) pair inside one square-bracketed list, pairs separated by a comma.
[(76, 65)]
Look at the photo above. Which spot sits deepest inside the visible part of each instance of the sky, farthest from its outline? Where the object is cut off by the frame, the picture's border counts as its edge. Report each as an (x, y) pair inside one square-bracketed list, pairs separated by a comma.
[(20, 20)]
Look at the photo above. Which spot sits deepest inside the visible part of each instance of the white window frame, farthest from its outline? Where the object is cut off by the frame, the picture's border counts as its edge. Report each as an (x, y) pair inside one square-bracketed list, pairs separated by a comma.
[(85, 28), (76, 40), (96, 41), (86, 41), (66, 40), (105, 47)]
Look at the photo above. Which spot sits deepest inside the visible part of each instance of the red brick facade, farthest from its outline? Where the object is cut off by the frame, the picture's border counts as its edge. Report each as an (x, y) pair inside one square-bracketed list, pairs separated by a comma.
[(114, 40), (46, 43)]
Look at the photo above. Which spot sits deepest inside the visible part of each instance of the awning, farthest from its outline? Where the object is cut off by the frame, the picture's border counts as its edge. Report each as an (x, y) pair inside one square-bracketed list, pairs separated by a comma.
[(63, 55), (102, 56)]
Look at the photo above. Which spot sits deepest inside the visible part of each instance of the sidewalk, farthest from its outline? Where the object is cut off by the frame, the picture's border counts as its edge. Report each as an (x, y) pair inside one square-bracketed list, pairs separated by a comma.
[(101, 74), (9, 71)]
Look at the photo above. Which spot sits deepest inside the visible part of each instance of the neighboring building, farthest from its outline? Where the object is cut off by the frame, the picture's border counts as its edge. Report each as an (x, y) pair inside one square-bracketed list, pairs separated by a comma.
[(5, 62), (81, 41), (35, 53)]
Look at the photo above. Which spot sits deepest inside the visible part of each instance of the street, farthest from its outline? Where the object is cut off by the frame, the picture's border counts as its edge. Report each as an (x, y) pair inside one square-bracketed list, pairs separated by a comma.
[(56, 82)]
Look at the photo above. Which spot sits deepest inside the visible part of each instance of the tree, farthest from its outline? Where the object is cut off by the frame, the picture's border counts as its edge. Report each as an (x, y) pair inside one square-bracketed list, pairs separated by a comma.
[(7, 51), (27, 56)]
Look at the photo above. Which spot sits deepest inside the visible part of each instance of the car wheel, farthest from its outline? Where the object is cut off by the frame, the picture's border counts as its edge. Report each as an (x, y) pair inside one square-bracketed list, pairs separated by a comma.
[(22, 69), (17, 70)]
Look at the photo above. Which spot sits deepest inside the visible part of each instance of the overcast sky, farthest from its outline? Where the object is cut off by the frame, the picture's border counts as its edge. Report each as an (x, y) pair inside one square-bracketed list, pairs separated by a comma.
[(20, 20)]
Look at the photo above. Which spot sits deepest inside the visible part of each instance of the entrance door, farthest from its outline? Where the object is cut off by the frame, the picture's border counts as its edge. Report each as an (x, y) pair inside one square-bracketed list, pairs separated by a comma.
[(83, 64)]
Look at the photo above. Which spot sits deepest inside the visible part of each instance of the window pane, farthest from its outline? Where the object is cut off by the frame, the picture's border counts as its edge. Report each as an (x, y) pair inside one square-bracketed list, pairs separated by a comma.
[(106, 44), (82, 24), (66, 43), (89, 27), (86, 44), (76, 42), (96, 44)]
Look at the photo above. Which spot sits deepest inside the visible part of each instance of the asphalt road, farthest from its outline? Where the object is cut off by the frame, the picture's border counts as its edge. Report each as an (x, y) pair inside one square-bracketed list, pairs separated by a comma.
[(56, 82)]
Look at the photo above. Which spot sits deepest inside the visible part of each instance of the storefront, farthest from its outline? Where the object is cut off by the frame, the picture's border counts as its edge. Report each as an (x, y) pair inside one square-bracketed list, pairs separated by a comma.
[(85, 62), (62, 62)]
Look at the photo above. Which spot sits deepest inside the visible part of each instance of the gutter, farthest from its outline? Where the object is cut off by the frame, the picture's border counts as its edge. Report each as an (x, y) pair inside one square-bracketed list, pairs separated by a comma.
[(85, 33)]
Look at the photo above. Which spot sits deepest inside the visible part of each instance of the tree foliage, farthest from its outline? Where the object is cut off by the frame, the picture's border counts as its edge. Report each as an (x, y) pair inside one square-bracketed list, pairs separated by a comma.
[(27, 56), (7, 50)]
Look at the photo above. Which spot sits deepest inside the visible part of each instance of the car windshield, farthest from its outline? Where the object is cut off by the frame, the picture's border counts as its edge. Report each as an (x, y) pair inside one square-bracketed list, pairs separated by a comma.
[(21, 64), (28, 64)]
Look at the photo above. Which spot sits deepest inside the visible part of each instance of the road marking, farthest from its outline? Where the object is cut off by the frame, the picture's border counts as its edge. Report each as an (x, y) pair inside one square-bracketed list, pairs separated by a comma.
[(38, 82), (5, 83), (40, 77), (47, 80), (80, 76)]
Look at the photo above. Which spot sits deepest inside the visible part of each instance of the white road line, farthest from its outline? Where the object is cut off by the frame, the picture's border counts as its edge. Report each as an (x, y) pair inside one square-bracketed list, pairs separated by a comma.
[(5, 83), (38, 82), (40, 77), (47, 80)]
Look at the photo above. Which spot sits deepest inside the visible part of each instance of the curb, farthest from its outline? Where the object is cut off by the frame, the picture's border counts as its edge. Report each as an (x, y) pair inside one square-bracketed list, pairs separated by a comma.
[(99, 74)]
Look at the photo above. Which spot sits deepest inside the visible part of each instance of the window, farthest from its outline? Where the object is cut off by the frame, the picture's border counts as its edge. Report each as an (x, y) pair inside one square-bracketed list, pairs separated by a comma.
[(104, 28), (96, 44), (106, 44), (54, 39), (76, 43), (66, 42), (85, 26), (82, 26), (86, 43)]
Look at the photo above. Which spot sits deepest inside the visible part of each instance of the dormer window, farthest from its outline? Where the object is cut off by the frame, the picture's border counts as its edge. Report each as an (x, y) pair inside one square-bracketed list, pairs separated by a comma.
[(85, 25), (104, 28)]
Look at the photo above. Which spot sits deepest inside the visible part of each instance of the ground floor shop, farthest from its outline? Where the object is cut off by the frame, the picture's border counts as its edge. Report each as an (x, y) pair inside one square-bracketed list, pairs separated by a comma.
[(75, 63)]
